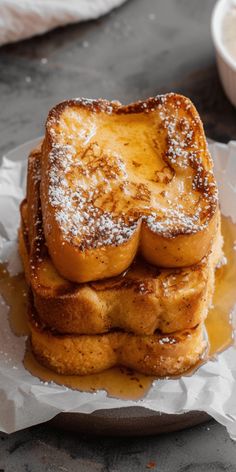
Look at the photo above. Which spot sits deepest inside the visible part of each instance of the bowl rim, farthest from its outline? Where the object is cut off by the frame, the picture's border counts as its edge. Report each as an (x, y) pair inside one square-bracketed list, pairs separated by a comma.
[(218, 13)]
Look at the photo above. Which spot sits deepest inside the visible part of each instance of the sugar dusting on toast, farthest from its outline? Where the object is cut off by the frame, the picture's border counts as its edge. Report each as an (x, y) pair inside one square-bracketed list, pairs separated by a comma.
[(99, 201), (98, 227)]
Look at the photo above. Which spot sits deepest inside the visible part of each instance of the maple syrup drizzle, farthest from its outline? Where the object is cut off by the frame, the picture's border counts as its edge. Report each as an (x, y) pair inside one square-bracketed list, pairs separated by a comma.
[(121, 382), (218, 322), (14, 292), (118, 382)]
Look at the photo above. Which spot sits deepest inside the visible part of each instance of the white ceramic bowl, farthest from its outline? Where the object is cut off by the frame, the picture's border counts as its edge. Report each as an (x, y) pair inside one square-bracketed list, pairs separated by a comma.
[(226, 64)]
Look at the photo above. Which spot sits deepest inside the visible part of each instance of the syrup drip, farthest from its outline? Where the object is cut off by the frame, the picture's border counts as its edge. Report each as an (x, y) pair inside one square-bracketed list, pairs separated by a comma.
[(218, 322), (14, 292), (121, 382), (118, 382)]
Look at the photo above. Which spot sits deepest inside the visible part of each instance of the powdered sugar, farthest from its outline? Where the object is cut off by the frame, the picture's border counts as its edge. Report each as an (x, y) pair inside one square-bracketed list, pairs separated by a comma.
[(167, 340), (73, 180)]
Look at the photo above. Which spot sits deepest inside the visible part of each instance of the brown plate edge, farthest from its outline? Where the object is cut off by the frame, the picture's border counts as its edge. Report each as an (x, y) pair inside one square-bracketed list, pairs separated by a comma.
[(130, 421)]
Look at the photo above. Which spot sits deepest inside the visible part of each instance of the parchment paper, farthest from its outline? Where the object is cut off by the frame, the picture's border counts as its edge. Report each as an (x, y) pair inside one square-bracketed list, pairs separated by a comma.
[(25, 400)]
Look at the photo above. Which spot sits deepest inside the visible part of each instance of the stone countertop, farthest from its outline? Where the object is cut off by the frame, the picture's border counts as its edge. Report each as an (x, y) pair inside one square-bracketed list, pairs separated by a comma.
[(204, 448), (141, 49)]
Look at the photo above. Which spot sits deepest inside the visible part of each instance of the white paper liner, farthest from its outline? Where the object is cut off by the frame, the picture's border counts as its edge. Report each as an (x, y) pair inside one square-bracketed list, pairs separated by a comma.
[(26, 401)]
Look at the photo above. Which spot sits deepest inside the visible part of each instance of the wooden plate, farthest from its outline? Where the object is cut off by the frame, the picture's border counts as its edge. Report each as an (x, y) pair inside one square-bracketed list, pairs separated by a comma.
[(130, 421)]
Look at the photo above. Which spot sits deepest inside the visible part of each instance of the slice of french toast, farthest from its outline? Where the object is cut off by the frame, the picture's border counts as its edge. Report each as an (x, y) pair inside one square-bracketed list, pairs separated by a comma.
[(121, 179), (140, 301), (158, 354)]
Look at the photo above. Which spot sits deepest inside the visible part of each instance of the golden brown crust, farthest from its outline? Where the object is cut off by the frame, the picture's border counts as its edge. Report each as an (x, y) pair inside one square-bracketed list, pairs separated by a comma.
[(140, 301), (157, 355), (91, 235)]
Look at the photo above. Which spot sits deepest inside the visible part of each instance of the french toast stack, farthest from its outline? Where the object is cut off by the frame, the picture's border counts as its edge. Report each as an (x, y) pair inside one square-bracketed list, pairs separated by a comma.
[(120, 237)]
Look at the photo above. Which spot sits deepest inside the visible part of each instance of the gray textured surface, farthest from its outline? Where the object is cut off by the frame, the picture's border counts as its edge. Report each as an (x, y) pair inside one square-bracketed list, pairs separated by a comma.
[(145, 47), (202, 449)]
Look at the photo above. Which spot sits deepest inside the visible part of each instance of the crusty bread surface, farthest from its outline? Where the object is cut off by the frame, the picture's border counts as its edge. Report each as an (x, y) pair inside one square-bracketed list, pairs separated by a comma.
[(158, 355), (117, 180)]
